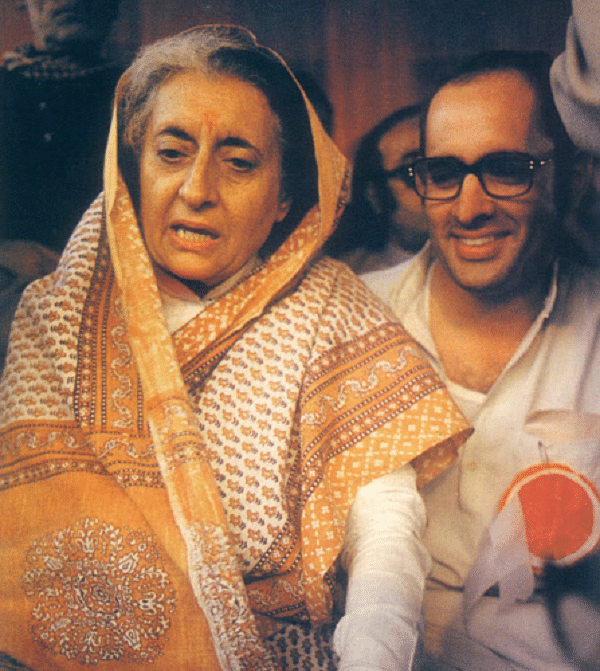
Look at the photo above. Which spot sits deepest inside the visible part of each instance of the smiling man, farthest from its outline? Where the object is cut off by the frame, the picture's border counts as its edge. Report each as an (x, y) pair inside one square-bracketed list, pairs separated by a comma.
[(512, 322)]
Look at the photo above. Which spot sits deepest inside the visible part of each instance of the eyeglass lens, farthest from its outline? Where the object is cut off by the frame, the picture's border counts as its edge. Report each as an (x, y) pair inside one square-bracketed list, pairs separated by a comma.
[(502, 176)]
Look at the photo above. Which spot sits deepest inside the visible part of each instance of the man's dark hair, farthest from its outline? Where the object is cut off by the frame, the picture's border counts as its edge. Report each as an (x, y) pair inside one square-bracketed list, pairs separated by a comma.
[(534, 66), (361, 226)]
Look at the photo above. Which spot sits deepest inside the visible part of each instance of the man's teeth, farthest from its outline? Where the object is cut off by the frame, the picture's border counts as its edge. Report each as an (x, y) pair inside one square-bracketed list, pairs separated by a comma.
[(478, 242), (197, 236)]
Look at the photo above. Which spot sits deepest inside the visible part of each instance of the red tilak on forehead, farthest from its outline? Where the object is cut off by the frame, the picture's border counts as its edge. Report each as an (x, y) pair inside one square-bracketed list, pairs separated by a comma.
[(211, 118)]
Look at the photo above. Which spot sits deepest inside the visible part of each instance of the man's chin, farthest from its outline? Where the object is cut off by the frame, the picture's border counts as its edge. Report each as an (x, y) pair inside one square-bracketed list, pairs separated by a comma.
[(491, 284), (504, 288)]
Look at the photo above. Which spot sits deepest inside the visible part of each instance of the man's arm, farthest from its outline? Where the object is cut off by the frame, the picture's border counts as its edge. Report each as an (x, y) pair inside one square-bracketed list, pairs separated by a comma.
[(575, 77)]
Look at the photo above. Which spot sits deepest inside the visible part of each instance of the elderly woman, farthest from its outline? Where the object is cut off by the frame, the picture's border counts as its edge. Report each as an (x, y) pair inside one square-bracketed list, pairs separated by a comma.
[(205, 426)]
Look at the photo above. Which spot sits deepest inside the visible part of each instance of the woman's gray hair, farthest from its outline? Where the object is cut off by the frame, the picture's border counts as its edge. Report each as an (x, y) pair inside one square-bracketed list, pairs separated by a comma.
[(229, 51), (188, 51)]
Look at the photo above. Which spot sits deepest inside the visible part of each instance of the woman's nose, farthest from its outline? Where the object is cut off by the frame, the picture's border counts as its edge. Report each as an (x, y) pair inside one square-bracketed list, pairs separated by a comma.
[(199, 187), (473, 203)]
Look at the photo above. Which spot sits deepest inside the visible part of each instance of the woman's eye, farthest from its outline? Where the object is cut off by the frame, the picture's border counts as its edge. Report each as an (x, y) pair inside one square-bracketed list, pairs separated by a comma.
[(170, 155), (241, 164)]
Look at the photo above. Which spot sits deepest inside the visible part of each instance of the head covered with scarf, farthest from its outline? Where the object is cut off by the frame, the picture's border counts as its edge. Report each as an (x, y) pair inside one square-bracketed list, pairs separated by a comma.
[(171, 492)]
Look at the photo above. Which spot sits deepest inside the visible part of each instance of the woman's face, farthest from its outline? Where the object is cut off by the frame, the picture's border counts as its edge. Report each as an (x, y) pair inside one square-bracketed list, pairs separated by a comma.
[(210, 176)]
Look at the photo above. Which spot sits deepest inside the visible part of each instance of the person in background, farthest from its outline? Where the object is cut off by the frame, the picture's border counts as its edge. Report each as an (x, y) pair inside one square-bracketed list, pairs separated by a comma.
[(384, 223), (510, 319), (575, 78), (208, 430), (55, 109)]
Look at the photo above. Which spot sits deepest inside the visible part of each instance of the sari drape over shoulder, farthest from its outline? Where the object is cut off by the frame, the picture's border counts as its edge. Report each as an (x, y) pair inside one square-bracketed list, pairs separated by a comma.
[(168, 499)]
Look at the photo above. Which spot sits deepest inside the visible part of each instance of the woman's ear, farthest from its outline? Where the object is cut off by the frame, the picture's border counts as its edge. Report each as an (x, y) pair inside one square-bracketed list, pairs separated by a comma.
[(284, 207)]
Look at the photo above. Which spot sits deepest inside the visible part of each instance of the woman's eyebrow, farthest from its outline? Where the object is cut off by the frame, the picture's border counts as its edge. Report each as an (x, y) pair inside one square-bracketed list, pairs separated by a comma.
[(235, 141), (229, 141), (177, 132)]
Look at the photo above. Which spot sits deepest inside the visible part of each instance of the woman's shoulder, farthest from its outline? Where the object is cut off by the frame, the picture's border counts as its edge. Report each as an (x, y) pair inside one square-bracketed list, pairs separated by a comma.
[(343, 281), (346, 306), (72, 276), (44, 337)]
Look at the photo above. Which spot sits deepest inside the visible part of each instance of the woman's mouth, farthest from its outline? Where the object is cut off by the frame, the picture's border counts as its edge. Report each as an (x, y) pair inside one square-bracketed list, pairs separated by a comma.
[(194, 235)]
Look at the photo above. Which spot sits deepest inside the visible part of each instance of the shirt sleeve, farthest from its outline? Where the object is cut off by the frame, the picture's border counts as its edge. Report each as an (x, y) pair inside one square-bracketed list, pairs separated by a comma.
[(575, 76), (387, 565)]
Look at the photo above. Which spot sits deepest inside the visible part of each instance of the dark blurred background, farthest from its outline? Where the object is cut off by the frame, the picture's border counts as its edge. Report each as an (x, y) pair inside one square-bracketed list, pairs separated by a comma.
[(371, 56)]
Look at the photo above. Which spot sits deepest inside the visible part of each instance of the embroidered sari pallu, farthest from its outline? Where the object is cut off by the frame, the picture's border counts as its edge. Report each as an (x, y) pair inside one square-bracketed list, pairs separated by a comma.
[(292, 426)]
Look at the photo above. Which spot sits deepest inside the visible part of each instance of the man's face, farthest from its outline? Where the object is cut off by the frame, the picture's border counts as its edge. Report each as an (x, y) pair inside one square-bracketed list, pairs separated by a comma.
[(398, 147), (63, 24), (486, 245)]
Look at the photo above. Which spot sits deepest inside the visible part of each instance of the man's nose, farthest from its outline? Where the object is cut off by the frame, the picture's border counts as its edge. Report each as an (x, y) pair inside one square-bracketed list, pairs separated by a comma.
[(472, 203), (199, 187)]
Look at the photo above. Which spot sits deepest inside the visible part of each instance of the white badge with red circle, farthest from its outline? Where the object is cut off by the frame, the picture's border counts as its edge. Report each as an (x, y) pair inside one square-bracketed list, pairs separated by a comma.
[(550, 512)]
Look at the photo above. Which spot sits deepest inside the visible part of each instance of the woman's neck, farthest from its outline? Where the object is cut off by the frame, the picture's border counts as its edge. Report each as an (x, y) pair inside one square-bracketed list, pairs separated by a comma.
[(194, 290)]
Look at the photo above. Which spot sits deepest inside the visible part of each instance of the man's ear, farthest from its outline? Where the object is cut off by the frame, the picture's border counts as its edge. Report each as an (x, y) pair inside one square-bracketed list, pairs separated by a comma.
[(373, 199), (584, 189), (583, 175)]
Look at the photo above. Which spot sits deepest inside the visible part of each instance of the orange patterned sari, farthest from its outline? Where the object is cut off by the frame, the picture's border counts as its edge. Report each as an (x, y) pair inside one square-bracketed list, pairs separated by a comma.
[(168, 500)]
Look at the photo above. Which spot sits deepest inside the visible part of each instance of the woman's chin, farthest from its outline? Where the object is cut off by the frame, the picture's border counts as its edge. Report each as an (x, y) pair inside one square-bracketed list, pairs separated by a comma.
[(176, 281)]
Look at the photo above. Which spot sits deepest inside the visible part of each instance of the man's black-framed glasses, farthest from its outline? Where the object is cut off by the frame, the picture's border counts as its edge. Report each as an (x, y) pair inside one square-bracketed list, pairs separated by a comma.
[(503, 175)]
